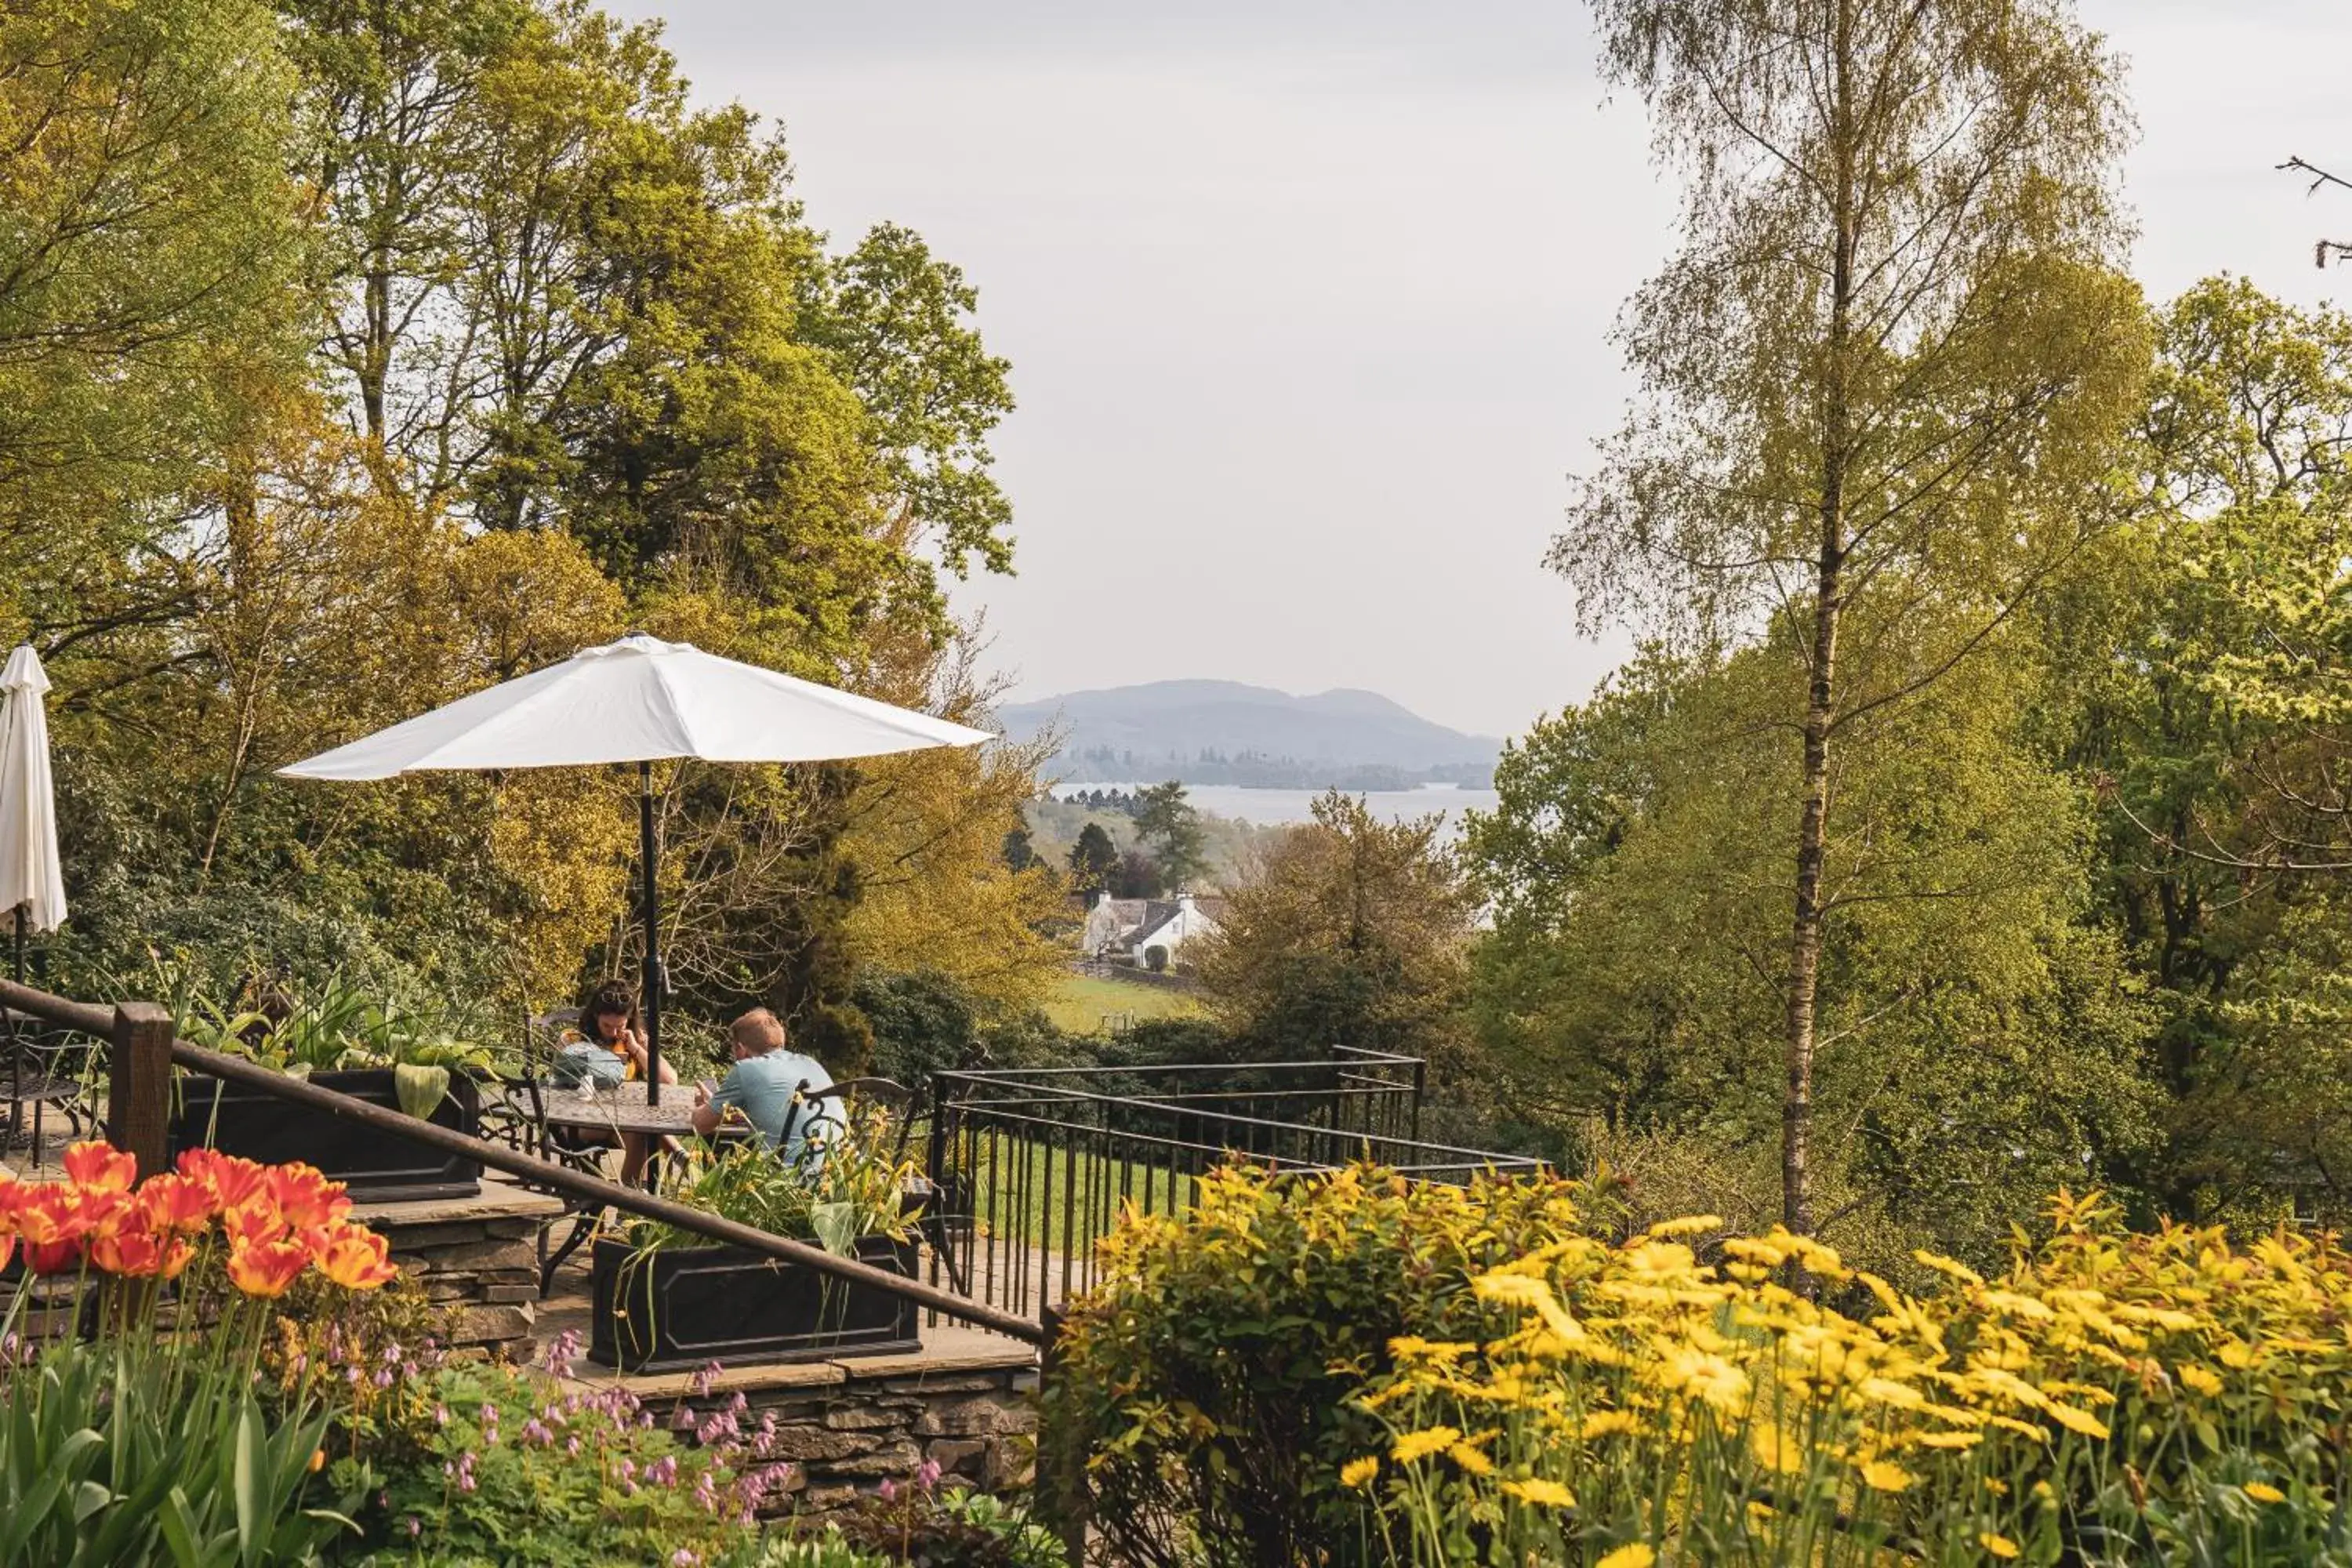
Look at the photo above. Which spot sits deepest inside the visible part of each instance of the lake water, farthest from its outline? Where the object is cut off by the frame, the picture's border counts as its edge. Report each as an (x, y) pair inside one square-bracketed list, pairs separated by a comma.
[(1267, 807)]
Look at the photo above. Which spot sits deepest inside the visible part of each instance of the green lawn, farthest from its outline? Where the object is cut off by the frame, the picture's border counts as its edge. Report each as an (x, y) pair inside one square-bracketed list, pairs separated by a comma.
[(1050, 1197), (1085, 1003)]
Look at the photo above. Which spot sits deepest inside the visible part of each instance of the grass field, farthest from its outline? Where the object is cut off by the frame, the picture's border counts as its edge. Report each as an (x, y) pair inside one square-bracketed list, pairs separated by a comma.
[(1086, 1003)]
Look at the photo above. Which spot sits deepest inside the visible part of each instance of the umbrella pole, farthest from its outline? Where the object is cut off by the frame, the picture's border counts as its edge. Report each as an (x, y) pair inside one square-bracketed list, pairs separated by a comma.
[(653, 977)]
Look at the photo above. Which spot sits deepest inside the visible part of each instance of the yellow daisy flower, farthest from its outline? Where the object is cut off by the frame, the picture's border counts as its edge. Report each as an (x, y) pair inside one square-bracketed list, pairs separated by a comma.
[(1420, 1444), (1885, 1476), (1634, 1556)]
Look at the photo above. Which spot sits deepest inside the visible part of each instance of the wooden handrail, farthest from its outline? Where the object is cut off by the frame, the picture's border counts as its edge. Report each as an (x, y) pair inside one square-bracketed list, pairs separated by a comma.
[(87, 1016), (108, 1022)]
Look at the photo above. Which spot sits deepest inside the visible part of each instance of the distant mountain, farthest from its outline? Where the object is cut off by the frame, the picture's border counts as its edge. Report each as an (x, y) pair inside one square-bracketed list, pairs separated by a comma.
[(1223, 732)]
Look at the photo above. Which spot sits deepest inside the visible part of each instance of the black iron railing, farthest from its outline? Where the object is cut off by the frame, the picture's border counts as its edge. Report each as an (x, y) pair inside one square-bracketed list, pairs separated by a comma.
[(1030, 1168)]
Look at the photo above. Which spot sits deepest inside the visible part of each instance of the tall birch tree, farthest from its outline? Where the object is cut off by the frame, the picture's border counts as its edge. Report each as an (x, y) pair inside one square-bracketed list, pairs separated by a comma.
[(1881, 378)]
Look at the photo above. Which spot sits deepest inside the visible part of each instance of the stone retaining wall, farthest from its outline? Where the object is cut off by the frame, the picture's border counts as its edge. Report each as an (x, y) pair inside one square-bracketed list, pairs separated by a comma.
[(849, 1424), (475, 1257)]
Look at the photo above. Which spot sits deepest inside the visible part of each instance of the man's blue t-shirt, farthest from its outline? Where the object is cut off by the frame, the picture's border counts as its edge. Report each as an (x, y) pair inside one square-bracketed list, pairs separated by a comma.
[(761, 1087)]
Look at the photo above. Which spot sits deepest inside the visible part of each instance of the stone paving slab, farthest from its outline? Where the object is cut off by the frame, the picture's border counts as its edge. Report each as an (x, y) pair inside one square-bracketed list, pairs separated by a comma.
[(500, 1199)]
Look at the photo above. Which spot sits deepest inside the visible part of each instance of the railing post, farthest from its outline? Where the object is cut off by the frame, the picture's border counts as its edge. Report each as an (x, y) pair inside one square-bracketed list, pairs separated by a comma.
[(1419, 1086), (138, 1083)]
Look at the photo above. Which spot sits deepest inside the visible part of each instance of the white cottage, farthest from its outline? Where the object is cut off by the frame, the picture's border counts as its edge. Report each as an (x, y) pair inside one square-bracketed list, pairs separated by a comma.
[(1184, 924), (1133, 926)]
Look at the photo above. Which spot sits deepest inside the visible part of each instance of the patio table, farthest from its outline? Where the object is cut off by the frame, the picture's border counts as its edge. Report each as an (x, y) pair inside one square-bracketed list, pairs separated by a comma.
[(622, 1109)]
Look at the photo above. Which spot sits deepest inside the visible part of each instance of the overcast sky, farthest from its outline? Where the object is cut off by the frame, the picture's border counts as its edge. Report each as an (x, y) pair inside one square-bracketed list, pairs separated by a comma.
[(1305, 300)]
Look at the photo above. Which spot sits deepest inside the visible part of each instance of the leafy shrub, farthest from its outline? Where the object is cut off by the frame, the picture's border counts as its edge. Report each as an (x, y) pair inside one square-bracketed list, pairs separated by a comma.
[(1206, 1380), (923, 1023), (495, 1465), (2112, 1398), (1155, 1041), (776, 1549), (1155, 959), (922, 1526)]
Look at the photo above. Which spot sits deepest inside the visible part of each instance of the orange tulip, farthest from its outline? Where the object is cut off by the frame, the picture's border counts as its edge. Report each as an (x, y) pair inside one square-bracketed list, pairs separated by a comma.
[(229, 1180), (103, 1212), (176, 1202), (358, 1258), (101, 1167), (254, 1221), (135, 1254), (265, 1269), (305, 1197), (7, 1248), (53, 1256), (51, 1227)]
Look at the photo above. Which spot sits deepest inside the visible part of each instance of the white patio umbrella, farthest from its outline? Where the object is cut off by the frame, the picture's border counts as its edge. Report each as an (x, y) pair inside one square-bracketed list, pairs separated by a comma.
[(641, 700), (32, 879)]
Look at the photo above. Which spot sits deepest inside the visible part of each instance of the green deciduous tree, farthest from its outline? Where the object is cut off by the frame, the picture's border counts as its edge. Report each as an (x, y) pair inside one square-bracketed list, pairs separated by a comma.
[(1982, 1045), (895, 321), (1349, 929), (1881, 378), (151, 234), (359, 354), (2201, 682)]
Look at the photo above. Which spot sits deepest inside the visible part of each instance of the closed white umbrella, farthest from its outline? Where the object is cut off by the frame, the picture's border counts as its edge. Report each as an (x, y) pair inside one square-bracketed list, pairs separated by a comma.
[(641, 700), (32, 878)]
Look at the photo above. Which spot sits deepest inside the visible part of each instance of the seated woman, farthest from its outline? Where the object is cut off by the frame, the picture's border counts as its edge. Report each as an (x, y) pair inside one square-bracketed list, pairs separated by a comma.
[(758, 1088), (605, 1050)]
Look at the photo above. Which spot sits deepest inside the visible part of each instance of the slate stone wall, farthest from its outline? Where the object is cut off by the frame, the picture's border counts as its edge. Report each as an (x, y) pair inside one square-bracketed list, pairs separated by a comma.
[(849, 1424), (475, 1257)]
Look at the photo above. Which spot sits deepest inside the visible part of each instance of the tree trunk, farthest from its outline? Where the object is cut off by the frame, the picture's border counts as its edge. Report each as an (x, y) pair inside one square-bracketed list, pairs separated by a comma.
[(1821, 694), (1805, 939)]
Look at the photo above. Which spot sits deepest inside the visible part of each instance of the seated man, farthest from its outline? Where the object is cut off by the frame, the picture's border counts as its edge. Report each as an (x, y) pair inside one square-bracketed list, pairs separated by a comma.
[(758, 1087)]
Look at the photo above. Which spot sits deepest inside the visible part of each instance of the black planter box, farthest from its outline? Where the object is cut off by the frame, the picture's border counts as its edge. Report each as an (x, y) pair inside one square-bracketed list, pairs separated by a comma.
[(378, 1166), (685, 1307)]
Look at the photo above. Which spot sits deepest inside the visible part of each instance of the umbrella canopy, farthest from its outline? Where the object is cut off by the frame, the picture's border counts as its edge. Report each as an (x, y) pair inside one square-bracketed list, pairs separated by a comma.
[(32, 879), (640, 700)]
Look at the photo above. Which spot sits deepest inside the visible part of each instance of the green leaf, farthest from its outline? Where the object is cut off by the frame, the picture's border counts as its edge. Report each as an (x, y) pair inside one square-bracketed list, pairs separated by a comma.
[(246, 1484), (178, 1529), (89, 1499), (420, 1087), (836, 1224)]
